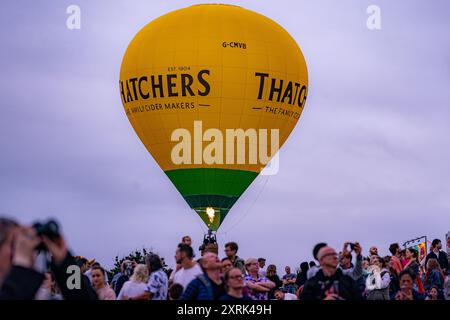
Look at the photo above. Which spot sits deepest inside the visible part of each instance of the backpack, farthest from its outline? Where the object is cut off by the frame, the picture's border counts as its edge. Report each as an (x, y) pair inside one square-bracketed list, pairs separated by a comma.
[(206, 282)]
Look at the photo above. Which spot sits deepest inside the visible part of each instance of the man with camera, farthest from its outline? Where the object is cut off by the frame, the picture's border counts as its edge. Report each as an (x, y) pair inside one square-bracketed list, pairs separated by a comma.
[(19, 247), (17, 250)]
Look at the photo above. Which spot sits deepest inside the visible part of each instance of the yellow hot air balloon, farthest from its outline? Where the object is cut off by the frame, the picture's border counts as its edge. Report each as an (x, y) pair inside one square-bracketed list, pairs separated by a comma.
[(206, 88)]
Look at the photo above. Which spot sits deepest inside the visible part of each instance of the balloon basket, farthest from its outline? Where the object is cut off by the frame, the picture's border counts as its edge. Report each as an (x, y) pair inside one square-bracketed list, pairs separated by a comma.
[(209, 243)]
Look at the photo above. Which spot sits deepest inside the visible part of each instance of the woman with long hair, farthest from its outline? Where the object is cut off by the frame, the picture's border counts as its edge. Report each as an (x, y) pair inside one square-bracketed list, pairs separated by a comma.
[(271, 274), (433, 294), (412, 264), (158, 282), (49, 289), (378, 280), (137, 285), (104, 292), (411, 261), (434, 276)]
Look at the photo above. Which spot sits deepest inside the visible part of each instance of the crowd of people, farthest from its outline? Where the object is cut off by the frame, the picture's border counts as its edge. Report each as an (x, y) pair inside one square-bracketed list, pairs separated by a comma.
[(347, 274)]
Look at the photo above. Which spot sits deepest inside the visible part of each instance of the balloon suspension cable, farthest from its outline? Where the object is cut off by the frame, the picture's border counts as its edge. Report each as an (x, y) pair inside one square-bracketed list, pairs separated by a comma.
[(248, 209)]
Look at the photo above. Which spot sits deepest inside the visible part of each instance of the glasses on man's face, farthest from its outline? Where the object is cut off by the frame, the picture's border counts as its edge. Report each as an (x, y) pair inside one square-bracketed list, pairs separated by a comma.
[(237, 277)]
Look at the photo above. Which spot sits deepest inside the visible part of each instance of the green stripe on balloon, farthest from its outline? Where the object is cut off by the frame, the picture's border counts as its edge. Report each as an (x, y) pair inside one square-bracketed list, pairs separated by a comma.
[(211, 187)]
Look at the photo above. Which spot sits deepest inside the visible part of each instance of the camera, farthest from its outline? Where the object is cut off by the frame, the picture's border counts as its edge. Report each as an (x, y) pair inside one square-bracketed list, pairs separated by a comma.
[(50, 229), (352, 246)]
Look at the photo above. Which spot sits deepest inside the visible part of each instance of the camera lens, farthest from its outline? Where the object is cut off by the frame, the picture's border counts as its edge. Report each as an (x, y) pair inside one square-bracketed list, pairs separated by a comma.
[(52, 229)]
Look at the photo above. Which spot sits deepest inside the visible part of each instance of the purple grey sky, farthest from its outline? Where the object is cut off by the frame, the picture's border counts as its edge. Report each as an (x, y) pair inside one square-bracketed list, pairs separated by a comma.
[(368, 160)]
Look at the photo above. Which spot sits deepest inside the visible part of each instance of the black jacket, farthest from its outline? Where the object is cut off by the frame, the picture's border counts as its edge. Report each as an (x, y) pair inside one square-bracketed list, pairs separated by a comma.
[(278, 283), (86, 292), (316, 287), (23, 283), (119, 284), (301, 278)]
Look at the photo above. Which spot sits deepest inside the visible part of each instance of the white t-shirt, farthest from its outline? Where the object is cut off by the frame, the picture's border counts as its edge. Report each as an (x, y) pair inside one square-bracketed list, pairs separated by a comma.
[(132, 289), (290, 296), (262, 272), (184, 276)]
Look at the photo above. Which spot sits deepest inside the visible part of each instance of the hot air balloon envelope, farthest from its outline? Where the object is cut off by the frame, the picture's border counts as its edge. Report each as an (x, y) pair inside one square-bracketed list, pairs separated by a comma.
[(189, 76)]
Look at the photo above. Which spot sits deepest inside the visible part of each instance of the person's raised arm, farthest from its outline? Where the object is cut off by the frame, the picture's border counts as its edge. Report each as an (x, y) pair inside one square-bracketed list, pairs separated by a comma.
[(344, 248), (61, 261), (357, 271)]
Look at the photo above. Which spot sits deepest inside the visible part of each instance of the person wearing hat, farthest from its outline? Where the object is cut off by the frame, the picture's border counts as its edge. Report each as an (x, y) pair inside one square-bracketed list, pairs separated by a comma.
[(330, 283)]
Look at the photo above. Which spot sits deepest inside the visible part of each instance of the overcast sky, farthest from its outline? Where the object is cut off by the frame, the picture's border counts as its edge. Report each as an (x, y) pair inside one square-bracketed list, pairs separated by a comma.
[(368, 160)]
